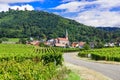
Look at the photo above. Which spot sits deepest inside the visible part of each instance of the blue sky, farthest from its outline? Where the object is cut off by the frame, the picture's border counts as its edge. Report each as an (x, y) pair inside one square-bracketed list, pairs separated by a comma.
[(89, 12)]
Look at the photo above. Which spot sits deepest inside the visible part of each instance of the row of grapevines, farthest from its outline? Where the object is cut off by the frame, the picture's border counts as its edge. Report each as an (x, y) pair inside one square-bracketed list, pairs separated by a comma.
[(26, 70), (23, 52), (108, 54), (26, 62), (68, 49)]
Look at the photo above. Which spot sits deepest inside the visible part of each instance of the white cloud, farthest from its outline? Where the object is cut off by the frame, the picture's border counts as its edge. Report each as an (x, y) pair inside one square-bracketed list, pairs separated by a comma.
[(5, 4), (5, 7), (28, 7), (108, 4), (97, 14), (68, 0), (18, 1), (97, 18), (71, 6), (71, 0)]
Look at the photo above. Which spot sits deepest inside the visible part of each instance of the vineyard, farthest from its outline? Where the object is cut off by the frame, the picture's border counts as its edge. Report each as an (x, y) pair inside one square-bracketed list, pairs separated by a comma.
[(26, 62), (67, 49), (108, 54)]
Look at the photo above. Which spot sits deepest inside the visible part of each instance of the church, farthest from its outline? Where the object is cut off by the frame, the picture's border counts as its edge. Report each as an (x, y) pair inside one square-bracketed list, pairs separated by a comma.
[(62, 42), (59, 42)]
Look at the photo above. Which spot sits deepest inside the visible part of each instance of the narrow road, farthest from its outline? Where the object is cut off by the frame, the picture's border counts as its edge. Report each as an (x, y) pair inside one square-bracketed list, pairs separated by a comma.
[(109, 70)]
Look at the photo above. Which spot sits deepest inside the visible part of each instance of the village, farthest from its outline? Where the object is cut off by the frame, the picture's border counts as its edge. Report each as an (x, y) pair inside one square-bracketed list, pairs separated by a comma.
[(65, 43)]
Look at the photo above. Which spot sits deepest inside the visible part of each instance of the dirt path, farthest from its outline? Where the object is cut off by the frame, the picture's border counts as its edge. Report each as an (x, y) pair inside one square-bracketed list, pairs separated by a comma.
[(85, 73), (110, 70)]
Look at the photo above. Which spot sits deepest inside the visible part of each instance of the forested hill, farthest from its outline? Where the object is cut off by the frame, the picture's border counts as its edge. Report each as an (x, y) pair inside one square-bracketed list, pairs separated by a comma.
[(109, 29), (41, 25)]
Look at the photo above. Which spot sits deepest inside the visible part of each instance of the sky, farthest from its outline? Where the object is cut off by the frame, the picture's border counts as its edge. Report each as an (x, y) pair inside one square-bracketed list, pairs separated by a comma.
[(98, 13)]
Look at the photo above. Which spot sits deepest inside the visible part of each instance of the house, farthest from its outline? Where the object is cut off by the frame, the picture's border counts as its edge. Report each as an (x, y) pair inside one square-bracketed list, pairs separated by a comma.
[(35, 43), (92, 44), (78, 44), (117, 43), (106, 45), (50, 42), (81, 44), (74, 44), (59, 42), (109, 45)]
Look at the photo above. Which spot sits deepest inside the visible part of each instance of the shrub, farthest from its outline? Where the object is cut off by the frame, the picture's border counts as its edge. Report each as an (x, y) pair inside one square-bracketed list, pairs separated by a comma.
[(86, 47), (0, 41)]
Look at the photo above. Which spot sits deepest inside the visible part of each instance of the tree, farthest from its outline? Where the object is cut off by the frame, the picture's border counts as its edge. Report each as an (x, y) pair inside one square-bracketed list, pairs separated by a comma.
[(4, 39), (86, 47), (42, 45), (0, 41), (22, 40), (99, 45)]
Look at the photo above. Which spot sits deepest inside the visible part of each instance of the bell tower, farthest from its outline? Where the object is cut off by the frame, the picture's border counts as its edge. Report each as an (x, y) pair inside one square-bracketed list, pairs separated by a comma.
[(66, 34)]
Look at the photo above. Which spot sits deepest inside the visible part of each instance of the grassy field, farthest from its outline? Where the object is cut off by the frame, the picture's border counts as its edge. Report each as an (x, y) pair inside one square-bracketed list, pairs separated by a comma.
[(73, 76), (13, 39)]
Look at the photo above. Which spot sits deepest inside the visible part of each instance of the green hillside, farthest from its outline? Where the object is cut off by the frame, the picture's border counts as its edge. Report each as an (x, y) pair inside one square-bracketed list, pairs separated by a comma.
[(39, 24)]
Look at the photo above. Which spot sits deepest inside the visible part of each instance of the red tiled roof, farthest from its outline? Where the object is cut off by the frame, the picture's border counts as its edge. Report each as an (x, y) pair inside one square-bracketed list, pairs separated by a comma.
[(74, 44), (81, 43), (36, 43), (62, 39)]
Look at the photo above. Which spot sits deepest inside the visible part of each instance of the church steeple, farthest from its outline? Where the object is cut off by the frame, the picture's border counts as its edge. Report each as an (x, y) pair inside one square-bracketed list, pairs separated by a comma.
[(66, 34)]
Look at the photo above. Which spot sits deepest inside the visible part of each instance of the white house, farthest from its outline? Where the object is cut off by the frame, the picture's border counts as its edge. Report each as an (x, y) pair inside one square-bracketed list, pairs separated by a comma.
[(109, 45)]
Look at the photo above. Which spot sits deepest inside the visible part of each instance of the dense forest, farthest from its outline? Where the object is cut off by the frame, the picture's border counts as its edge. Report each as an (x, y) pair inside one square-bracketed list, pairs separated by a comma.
[(109, 29), (43, 25)]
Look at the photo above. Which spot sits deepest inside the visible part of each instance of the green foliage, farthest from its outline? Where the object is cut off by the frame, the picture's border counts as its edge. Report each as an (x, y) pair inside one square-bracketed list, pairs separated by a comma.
[(42, 45), (73, 76), (13, 39), (99, 45), (22, 40), (68, 49), (108, 54), (4, 39), (27, 70), (86, 47), (43, 25), (22, 52), (26, 62), (0, 41)]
